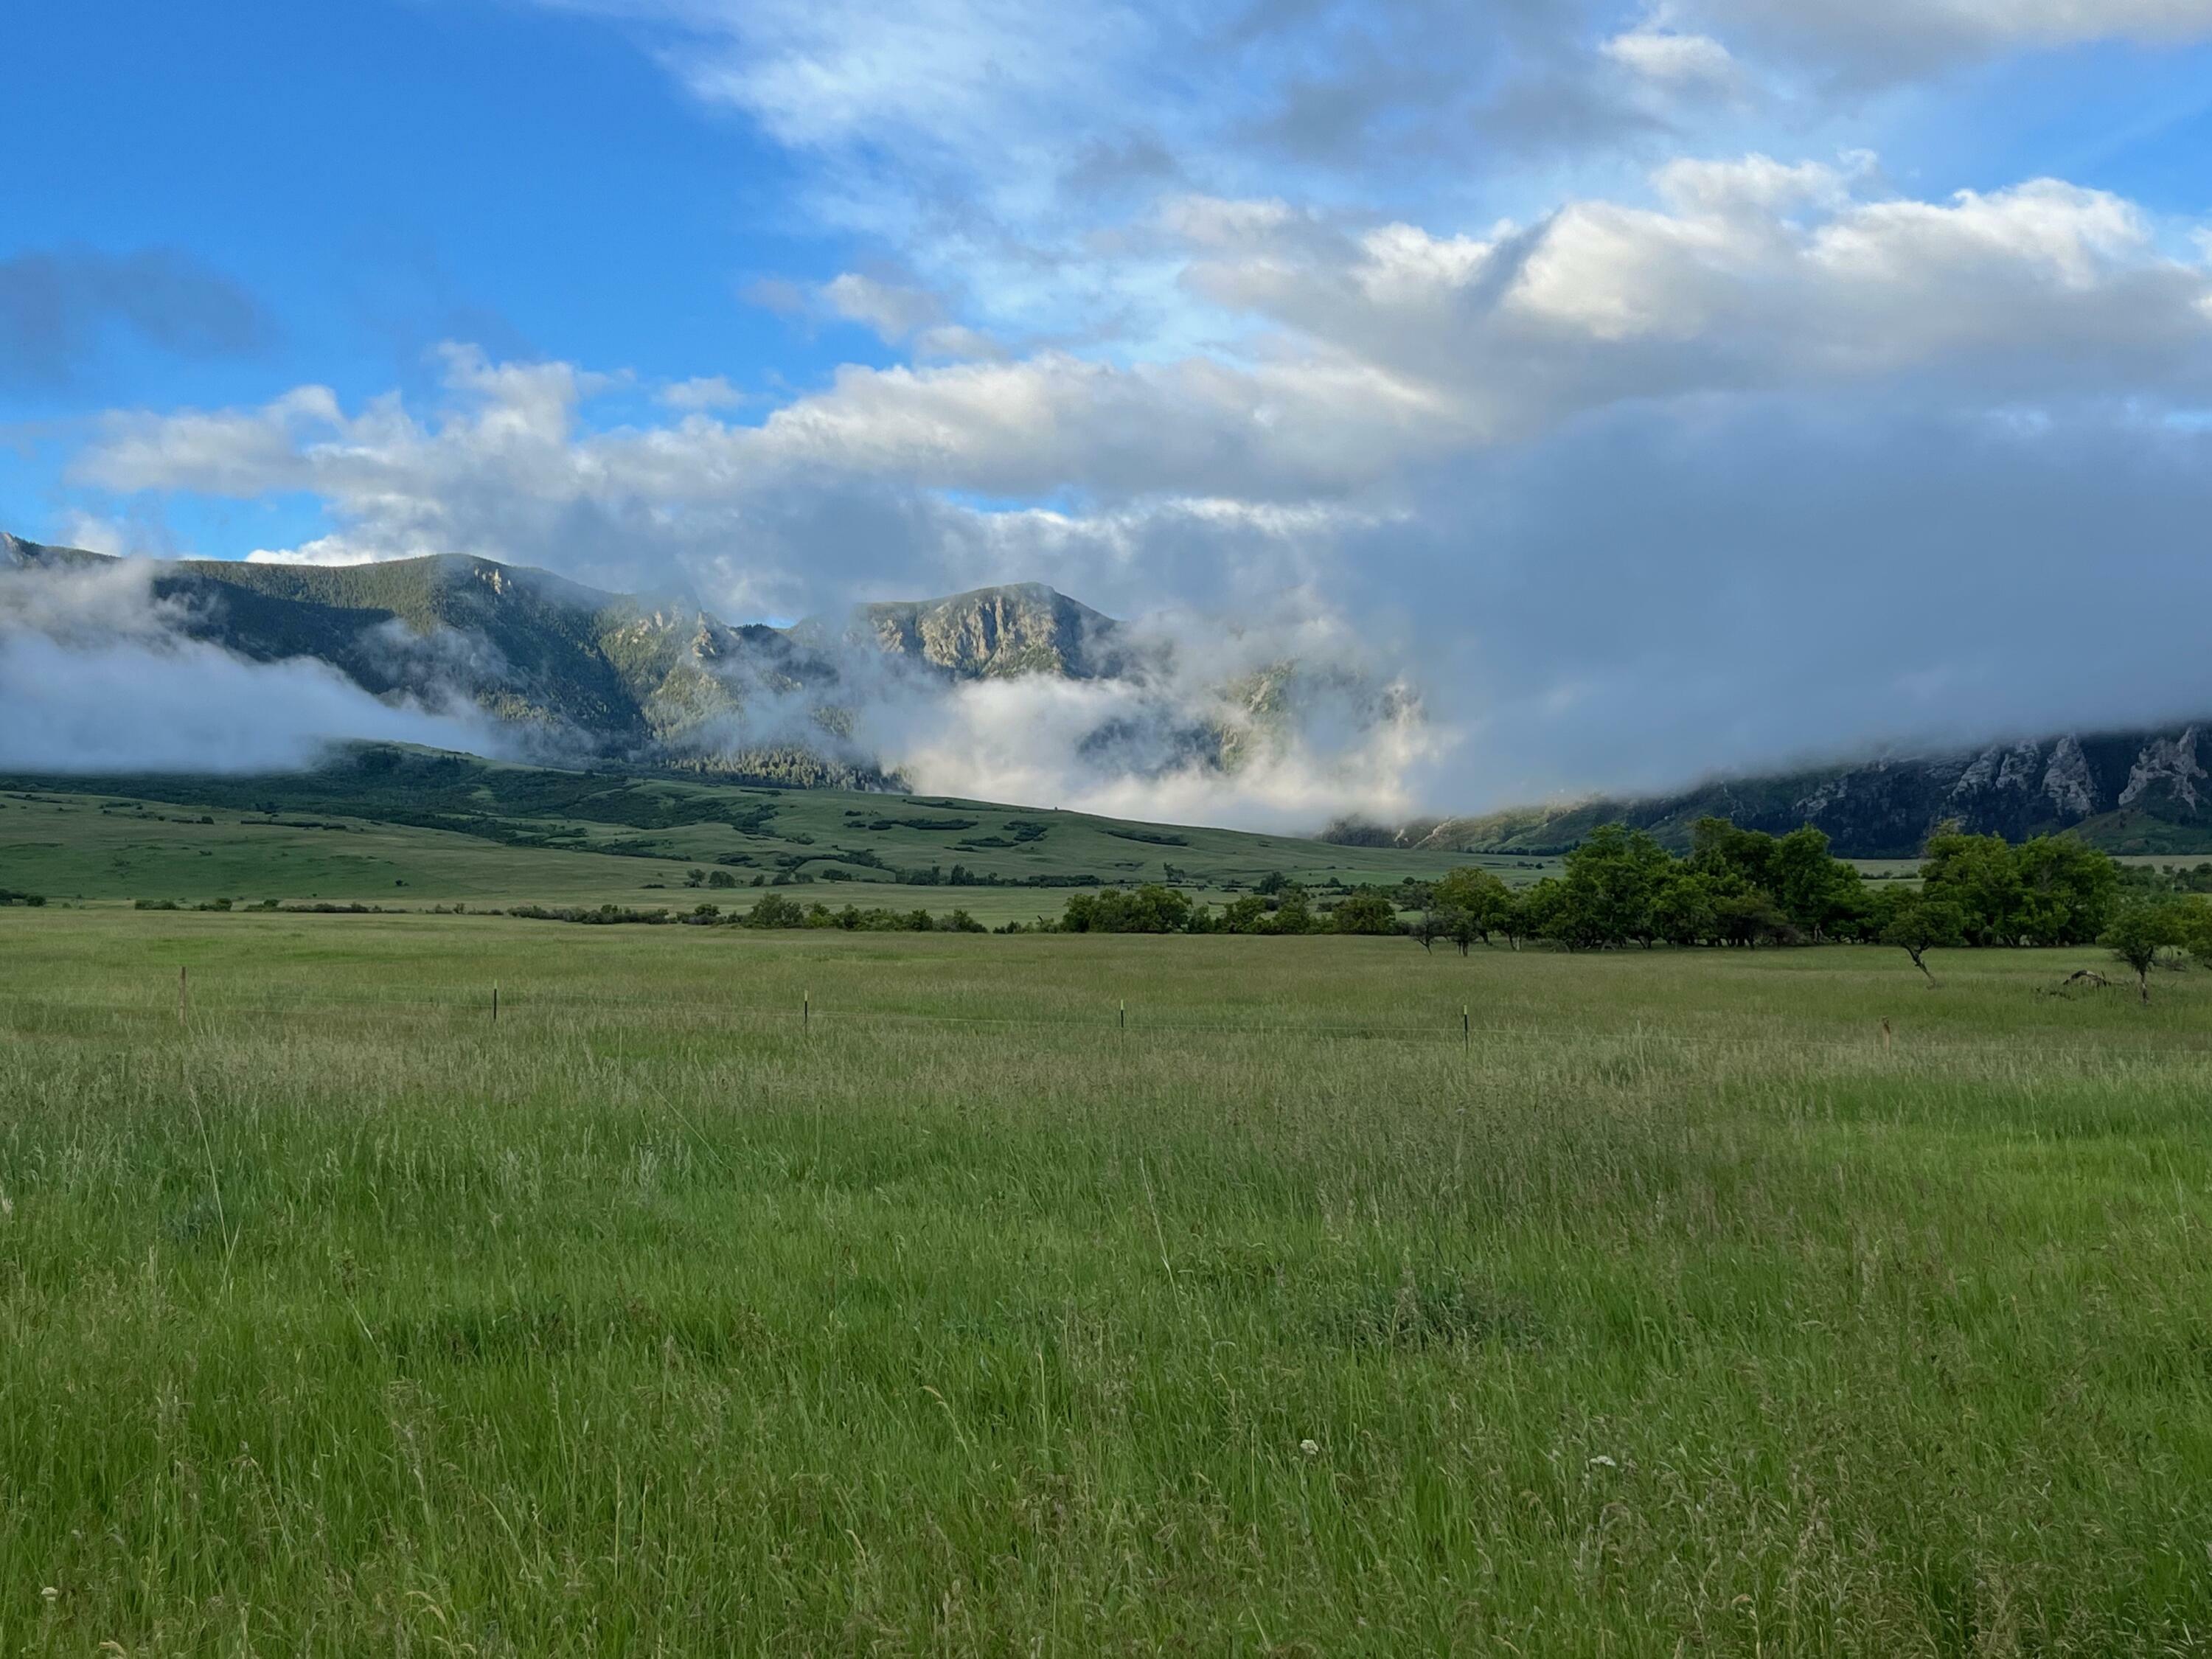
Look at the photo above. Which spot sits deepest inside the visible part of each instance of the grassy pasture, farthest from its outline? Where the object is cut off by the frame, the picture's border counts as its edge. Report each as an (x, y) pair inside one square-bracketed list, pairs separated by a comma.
[(112, 848), (394, 826), (1674, 1313)]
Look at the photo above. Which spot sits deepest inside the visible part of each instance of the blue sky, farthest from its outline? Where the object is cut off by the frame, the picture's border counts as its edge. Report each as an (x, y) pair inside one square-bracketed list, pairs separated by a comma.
[(379, 178), (1662, 383)]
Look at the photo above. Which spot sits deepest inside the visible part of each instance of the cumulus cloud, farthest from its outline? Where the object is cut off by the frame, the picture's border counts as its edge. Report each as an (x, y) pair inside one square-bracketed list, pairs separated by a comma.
[(1748, 273), (699, 394), (898, 312), (892, 310), (1003, 149), (987, 146), (1686, 61), (1383, 346), (507, 470), (99, 675)]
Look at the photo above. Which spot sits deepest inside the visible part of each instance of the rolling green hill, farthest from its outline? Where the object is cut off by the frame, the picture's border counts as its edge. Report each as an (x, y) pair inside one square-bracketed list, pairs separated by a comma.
[(389, 823)]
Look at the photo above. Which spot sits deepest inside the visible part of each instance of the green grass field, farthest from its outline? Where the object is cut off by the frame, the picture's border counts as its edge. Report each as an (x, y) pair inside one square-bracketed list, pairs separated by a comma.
[(427, 829), (1672, 1313)]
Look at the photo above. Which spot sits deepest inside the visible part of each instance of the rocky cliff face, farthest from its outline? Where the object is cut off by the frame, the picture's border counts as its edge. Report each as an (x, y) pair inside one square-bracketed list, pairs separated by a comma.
[(2138, 791), (993, 632)]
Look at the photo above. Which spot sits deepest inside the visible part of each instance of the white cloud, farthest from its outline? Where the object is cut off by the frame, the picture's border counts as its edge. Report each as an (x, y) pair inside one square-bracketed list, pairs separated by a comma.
[(95, 533), (956, 342), (189, 709), (97, 675), (1012, 155), (1692, 63), (898, 313), (1375, 351), (1497, 331), (1009, 153), (1034, 741), (1216, 221), (1752, 275), (1333, 736), (699, 394), (941, 72), (1755, 185), (893, 311)]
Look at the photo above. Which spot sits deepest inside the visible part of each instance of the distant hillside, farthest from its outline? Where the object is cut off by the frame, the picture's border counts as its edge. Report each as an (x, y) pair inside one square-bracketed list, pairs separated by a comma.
[(2135, 792), (378, 817)]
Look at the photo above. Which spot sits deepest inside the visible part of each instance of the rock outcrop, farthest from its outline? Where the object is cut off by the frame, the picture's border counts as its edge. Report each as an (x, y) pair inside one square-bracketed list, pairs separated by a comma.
[(992, 633)]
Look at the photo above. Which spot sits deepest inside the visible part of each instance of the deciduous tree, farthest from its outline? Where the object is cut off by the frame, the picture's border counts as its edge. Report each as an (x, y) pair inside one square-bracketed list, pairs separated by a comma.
[(2139, 931), (1916, 922)]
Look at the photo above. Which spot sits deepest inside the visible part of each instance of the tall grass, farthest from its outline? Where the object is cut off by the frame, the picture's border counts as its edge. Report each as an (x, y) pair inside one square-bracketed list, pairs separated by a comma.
[(1674, 1313)]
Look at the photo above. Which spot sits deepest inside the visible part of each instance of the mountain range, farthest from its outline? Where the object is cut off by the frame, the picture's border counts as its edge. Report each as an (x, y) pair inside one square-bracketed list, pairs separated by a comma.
[(2143, 791), (576, 674), (572, 672)]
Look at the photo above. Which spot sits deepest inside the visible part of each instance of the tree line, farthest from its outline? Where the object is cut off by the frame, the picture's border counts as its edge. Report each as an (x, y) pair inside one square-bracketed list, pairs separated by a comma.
[(1734, 888), (1281, 905), (1745, 888), (770, 910)]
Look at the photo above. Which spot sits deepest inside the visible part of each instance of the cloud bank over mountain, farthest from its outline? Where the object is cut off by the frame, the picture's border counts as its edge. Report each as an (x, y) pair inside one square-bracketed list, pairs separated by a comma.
[(97, 675), (1016, 693)]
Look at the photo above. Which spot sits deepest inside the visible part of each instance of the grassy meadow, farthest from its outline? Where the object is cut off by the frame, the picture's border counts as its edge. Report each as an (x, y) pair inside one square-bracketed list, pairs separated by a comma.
[(1672, 1311), (397, 826)]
